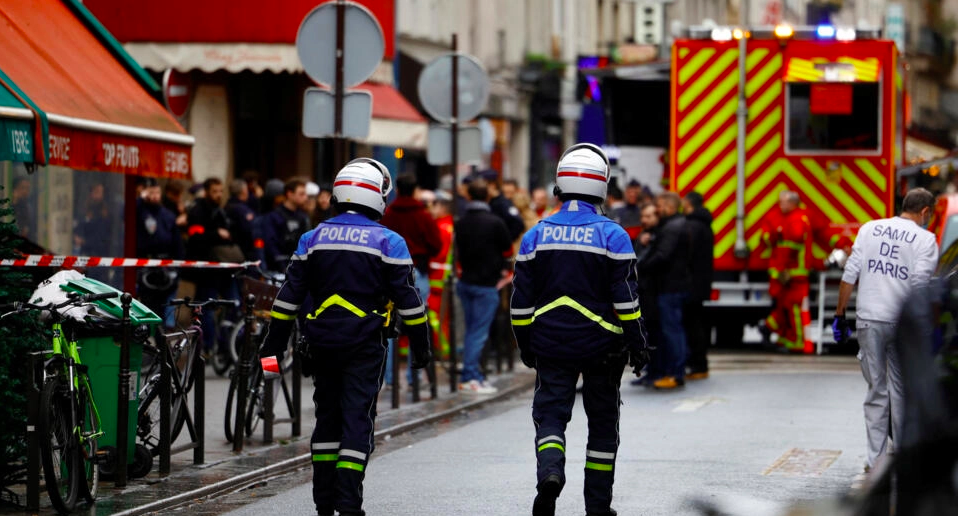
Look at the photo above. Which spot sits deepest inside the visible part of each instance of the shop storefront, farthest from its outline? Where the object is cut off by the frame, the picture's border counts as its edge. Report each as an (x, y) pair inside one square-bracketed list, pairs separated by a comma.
[(246, 112), (80, 124)]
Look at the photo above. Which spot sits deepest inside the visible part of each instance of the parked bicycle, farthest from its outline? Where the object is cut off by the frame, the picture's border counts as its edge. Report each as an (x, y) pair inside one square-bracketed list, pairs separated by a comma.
[(264, 291), (257, 393), (183, 354), (264, 285), (69, 423)]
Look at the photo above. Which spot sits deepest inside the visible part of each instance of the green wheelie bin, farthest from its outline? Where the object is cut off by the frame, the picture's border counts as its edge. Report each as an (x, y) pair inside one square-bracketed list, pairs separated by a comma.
[(100, 351)]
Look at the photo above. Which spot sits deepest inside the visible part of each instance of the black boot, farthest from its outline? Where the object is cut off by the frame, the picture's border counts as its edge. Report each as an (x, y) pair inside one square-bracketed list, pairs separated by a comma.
[(545, 502), (610, 512)]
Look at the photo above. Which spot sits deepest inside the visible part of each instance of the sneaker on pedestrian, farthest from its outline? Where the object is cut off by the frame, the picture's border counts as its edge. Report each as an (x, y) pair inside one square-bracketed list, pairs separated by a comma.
[(666, 382), (477, 387), (697, 375)]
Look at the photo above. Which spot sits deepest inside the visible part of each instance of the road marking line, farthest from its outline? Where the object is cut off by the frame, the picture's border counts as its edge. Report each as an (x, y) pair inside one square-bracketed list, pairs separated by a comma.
[(693, 404)]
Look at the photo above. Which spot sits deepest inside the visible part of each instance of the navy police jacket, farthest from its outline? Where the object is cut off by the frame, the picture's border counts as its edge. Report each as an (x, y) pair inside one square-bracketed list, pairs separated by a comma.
[(339, 281), (574, 291)]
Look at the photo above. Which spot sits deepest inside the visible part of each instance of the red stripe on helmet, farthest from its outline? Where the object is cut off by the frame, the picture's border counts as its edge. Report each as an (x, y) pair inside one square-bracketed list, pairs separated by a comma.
[(359, 184), (571, 173)]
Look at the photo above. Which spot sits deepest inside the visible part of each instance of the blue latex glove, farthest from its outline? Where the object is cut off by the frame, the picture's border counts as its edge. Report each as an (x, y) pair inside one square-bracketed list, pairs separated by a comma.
[(840, 329)]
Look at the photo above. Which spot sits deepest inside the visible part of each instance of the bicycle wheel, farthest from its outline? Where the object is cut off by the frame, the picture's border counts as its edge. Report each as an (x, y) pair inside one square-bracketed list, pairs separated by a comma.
[(183, 357), (254, 407), (221, 358), (89, 427), (238, 338), (229, 418), (148, 419), (256, 411), (58, 448)]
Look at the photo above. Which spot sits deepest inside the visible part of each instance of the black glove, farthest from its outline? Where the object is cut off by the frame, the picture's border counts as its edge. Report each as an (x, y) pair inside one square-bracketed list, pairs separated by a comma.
[(528, 358), (305, 357), (420, 356), (639, 358)]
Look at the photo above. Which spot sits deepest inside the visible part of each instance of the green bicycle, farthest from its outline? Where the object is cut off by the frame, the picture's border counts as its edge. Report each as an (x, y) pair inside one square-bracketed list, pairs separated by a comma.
[(68, 425)]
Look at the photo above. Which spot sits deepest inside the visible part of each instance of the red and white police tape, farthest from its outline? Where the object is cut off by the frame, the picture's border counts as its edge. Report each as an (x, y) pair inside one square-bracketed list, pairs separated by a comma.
[(56, 260)]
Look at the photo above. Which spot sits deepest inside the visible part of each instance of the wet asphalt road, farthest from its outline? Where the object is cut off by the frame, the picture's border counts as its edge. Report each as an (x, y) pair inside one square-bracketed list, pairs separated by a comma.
[(779, 429)]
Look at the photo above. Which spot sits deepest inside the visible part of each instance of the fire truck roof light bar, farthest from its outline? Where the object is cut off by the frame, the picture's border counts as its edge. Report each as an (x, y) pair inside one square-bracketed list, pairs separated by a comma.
[(783, 32)]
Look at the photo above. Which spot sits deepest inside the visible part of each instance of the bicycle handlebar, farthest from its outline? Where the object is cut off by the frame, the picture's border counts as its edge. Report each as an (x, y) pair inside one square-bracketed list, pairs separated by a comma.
[(188, 302), (74, 299)]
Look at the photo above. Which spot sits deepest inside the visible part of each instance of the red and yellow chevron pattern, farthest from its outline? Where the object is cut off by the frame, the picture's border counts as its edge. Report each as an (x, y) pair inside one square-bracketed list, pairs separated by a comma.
[(817, 69), (845, 190)]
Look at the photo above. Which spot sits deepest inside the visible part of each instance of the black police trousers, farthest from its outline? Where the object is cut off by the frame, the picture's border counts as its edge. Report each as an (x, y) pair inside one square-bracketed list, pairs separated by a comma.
[(552, 409), (347, 385)]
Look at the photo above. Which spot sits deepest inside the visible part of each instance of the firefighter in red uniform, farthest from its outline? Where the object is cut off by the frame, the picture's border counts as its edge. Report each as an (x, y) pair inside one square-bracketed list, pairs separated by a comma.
[(440, 266), (790, 242), (826, 237)]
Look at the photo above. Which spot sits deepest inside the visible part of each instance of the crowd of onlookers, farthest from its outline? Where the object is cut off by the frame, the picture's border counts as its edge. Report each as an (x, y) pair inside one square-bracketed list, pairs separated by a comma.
[(247, 221), (211, 221)]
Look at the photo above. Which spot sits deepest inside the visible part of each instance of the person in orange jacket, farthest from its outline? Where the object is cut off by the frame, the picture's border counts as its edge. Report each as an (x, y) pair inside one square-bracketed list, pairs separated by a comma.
[(789, 238), (440, 267)]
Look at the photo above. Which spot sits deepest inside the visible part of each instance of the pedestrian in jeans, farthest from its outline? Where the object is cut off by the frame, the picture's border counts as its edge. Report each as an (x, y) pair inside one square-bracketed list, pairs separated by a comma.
[(669, 261), (648, 288), (410, 218), (890, 258), (698, 220), (483, 242)]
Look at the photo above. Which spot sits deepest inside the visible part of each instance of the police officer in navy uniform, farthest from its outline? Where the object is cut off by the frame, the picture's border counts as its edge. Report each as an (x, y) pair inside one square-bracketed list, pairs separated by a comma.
[(282, 227), (575, 311), (340, 279)]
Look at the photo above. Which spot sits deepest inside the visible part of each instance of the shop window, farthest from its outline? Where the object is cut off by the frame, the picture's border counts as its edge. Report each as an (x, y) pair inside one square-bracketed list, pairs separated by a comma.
[(69, 212)]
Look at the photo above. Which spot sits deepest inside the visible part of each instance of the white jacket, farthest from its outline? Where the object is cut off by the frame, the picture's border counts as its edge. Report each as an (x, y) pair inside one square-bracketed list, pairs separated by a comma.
[(890, 258)]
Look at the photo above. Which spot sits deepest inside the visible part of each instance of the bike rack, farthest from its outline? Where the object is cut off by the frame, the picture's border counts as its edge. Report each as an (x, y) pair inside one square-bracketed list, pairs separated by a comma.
[(295, 398), (196, 426), (123, 394), (242, 378), (35, 362)]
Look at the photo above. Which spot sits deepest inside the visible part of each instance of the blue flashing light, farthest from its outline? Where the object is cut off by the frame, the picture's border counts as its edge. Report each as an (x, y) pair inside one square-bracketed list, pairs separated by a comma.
[(825, 31)]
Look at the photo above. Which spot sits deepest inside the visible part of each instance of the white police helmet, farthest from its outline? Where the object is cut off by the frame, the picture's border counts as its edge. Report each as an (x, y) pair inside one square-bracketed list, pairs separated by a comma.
[(583, 170), (363, 182)]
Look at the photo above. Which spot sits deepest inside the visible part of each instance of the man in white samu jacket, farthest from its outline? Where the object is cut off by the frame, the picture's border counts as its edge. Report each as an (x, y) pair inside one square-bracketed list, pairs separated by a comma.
[(890, 258)]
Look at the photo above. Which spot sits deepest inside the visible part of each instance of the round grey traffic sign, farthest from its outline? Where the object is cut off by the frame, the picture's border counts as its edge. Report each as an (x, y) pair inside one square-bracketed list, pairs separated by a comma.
[(435, 87), (363, 44)]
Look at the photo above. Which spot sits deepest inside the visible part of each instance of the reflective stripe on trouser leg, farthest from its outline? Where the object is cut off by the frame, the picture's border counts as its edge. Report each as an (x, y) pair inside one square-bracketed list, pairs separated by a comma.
[(601, 401), (361, 371), (324, 443), (551, 412)]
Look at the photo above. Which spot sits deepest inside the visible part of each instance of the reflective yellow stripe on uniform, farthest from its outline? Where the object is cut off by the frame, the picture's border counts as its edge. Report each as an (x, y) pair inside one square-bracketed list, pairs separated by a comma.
[(413, 322), (628, 311), (336, 300), (573, 304)]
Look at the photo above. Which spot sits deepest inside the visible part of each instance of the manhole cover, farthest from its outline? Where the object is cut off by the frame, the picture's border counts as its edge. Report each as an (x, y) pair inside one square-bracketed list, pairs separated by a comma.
[(803, 463)]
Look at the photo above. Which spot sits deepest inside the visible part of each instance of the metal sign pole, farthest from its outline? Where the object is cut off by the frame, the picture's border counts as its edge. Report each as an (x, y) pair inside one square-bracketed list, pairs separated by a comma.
[(339, 147), (453, 383)]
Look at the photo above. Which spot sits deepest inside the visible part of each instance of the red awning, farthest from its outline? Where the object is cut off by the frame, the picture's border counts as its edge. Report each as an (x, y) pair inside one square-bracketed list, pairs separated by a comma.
[(389, 103), (221, 21), (101, 118)]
